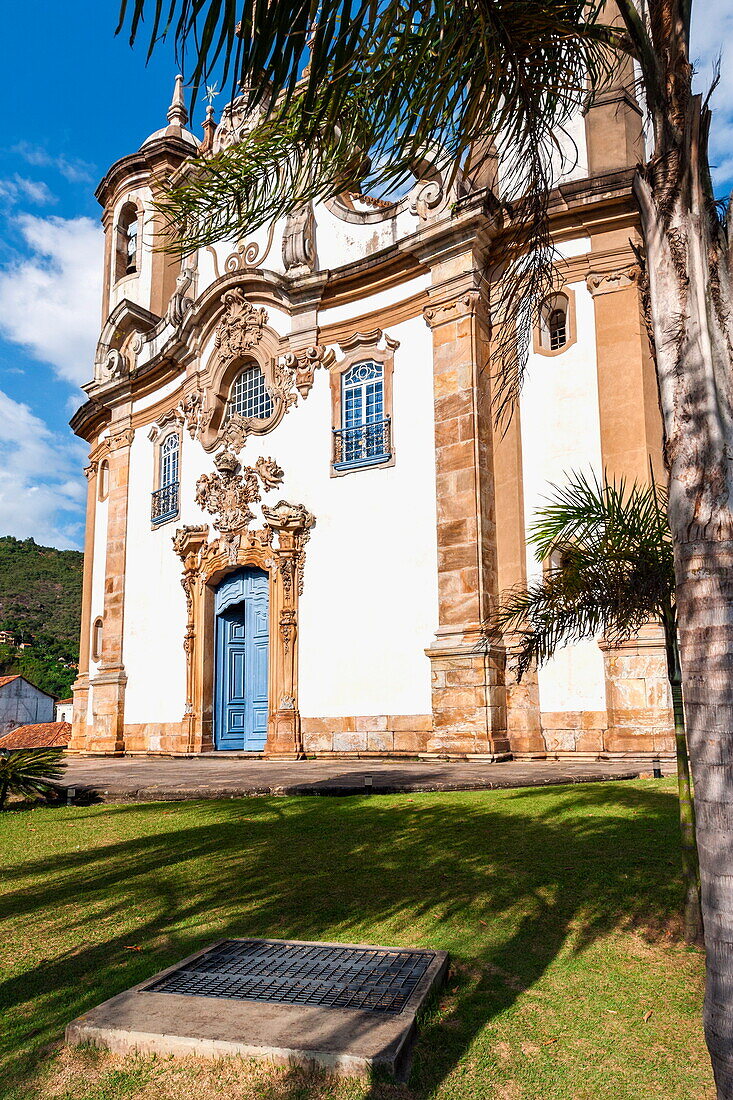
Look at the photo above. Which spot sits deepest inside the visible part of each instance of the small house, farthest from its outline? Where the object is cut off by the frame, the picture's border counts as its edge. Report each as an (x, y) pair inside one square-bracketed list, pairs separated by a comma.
[(64, 710), (22, 703)]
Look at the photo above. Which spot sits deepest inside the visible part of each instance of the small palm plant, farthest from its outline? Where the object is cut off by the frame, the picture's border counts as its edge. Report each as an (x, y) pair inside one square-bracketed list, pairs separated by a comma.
[(609, 569), (29, 771)]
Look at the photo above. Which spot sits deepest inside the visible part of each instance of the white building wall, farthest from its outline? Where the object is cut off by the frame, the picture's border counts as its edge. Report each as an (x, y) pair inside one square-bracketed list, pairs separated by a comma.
[(370, 604), (561, 434), (155, 607)]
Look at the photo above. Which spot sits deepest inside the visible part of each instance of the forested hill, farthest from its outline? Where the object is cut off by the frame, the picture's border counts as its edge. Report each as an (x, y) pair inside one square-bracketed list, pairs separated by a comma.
[(40, 604)]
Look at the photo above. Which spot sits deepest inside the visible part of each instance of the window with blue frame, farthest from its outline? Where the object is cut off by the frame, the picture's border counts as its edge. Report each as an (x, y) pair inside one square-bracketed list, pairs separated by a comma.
[(364, 436), (249, 395), (165, 498)]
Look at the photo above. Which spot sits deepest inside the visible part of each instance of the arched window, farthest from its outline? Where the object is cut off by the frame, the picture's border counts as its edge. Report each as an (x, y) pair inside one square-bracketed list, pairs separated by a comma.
[(555, 323), (128, 229), (103, 480), (97, 639), (364, 436), (165, 497), (249, 395), (169, 461)]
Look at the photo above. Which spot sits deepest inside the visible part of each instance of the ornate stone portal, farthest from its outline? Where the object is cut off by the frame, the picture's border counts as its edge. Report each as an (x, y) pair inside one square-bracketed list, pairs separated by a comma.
[(278, 548)]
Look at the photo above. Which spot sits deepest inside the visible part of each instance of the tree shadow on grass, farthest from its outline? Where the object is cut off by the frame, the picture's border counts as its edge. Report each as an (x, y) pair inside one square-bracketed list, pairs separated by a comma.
[(499, 880)]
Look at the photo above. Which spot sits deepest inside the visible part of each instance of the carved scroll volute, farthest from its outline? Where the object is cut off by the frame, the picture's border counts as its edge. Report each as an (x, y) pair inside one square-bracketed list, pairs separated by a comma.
[(292, 523), (188, 543)]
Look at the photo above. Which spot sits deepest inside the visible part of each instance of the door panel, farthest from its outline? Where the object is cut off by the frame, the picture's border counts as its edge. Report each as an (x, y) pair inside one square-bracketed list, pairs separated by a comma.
[(242, 657)]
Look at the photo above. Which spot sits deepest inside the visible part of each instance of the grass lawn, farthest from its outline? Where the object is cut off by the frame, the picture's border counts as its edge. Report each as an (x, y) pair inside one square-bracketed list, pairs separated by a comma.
[(559, 907)]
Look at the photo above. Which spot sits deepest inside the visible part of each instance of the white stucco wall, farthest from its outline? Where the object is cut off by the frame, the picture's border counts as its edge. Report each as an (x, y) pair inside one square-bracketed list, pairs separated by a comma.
[(369, 606), (560, 434)]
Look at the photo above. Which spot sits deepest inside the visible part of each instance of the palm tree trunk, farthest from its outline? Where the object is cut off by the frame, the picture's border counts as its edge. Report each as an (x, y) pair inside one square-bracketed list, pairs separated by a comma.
[(691, 301), (692, 912), (4, 794)]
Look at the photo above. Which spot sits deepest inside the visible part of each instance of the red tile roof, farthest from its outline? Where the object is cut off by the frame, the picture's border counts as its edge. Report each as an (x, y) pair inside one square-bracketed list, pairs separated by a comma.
[(7, 679), (60, 702), (42, 735)]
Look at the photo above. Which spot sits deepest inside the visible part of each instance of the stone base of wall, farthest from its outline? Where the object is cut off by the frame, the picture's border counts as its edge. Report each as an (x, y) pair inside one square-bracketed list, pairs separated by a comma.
[(379, 733), (564, 734), (591, 732)]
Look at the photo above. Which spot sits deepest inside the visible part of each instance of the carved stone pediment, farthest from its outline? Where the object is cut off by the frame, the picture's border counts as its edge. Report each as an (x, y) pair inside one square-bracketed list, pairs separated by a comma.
[(240, 329)]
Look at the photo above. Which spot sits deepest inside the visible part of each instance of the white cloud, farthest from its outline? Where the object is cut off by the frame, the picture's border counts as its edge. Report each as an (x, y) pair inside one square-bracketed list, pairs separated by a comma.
[(50, 301), (42, 488), (72, 169), (712, 40), (18, 188)]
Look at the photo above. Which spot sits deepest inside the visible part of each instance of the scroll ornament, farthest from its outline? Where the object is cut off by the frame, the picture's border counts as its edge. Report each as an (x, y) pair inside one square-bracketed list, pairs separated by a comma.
[(240, 329)]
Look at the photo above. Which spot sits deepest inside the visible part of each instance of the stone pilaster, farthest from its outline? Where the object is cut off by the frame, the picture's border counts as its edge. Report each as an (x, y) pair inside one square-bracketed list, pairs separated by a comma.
[(524, 727), (80, 687), (467, 681), (108, 686), (638, 703)]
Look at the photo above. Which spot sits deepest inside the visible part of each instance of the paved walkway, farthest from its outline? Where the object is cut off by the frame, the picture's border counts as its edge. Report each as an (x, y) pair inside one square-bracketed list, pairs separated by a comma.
[(165, 779)]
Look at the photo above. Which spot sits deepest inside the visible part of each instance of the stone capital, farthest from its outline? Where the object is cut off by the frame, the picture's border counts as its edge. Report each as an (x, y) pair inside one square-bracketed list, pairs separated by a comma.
[(121, 439), (606, 282), (463, 305)]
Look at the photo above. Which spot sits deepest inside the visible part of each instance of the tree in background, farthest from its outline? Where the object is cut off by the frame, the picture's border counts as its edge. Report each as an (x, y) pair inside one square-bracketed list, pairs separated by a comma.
[(608, 568), (388, 79)]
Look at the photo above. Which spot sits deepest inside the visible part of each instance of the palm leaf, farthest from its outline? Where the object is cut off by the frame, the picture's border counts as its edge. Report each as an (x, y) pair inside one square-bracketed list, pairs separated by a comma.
[(613, 570), (385, 81), (29, 772)]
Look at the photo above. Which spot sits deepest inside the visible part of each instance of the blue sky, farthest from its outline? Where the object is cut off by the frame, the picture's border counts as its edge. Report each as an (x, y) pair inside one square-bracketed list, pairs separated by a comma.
[(78, 98)]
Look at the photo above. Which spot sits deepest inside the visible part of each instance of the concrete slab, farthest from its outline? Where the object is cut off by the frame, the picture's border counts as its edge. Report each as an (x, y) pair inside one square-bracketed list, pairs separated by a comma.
[(343, 1040), (154, 779)]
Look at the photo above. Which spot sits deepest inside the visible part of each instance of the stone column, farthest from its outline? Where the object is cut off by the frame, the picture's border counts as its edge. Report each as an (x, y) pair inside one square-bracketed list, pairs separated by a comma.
[(108, 685), (524, 726), (468, 687), (80, 688), (292, 524), (638, 702)]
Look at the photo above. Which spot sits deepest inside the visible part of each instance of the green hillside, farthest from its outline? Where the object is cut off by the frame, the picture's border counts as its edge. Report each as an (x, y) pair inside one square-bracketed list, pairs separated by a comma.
[(40, 604)]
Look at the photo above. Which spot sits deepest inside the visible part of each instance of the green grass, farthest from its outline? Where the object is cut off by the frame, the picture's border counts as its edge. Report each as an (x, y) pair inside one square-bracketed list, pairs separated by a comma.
[(559, 907)]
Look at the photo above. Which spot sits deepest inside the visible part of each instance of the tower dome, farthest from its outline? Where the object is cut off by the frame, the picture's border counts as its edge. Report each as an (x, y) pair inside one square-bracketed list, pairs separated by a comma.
[(177, 119)]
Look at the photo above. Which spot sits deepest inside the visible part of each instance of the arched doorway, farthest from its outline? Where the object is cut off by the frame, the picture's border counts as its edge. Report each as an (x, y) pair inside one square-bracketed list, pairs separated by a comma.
[(241, 609)]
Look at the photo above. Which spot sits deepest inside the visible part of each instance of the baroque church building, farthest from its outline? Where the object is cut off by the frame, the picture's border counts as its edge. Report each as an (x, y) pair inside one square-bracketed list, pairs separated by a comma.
[(299, 510)]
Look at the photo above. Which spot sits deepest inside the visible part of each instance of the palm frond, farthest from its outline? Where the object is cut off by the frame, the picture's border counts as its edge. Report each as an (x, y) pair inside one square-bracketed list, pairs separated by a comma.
[(384, 82), (611, 570), (29, 771)]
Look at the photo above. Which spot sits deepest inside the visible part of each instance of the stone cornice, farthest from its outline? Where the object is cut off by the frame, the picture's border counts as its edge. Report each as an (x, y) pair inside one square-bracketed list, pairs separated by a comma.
[(577, 208)]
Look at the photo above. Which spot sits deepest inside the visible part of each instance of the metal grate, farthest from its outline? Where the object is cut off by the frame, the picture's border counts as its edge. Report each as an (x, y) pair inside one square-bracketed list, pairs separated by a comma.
[(250, 396), (370, 979)]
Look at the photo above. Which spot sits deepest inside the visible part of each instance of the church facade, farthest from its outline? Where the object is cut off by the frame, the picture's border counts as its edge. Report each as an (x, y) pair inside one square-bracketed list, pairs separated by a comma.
[(299, 510)]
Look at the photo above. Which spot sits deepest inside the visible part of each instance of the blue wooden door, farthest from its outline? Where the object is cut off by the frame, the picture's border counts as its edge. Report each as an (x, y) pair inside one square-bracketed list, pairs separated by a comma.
[(242, 649)]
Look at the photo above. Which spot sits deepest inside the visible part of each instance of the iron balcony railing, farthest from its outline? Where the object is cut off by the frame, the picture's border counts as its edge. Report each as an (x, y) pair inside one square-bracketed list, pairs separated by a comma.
[(362, 446), (165, 503)]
